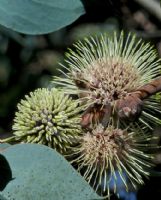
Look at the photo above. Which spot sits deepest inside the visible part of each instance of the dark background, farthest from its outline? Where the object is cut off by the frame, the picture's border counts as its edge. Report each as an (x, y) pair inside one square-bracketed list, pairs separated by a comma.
[(28, 62)]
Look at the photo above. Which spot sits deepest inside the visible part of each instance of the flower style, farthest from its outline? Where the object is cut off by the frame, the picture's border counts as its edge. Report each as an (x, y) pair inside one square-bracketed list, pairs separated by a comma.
[(48, 117), (107, 71), (103, 152)]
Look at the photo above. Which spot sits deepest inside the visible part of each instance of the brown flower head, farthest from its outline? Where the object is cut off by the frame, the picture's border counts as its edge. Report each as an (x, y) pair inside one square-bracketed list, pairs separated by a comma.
[(103, 152), (105, 70)]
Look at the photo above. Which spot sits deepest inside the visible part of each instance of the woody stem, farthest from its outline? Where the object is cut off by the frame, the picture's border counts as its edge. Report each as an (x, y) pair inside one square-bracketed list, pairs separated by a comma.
[(149, 89)]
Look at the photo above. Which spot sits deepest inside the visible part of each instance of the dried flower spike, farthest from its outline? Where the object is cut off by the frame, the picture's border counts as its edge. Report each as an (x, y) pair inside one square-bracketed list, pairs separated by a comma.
[(109, 71), (104, 152), (48, 117)]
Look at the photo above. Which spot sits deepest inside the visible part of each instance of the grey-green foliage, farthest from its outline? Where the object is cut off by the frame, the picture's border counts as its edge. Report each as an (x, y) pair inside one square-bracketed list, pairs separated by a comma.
[(4, 146), (40, 173), (2, 198), (39, 16)]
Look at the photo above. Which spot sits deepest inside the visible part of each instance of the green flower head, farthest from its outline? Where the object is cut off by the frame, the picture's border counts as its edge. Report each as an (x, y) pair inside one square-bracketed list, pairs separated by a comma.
[(104, 70), (103, 152), (48, 117)]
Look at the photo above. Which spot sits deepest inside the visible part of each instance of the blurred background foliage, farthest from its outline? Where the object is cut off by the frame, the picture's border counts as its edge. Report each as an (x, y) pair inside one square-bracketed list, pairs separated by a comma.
[(28, 62)]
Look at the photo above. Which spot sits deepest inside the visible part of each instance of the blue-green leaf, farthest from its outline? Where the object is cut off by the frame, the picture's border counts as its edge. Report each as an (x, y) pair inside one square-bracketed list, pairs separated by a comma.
[(3, 146), (2, 198), (39, 16), (40, 173)]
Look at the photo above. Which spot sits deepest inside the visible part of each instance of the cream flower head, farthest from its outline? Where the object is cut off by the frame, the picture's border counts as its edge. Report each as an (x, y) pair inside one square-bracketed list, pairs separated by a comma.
[(103, 152), (48, 117), (106, 70)]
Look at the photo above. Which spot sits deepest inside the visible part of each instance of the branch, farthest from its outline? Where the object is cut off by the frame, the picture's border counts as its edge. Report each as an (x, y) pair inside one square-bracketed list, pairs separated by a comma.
[(149, 89)]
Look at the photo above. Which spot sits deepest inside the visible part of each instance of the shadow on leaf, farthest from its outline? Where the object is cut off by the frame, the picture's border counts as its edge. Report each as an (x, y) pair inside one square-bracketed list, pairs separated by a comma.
[(5, 172)]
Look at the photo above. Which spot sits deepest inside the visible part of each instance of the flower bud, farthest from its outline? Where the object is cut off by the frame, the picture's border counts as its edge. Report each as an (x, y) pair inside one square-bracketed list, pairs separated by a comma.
[(48, 117)]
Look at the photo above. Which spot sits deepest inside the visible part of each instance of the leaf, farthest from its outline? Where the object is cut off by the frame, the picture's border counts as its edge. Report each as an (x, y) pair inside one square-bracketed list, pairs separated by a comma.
[(39, 16), (2, 198), (39, 172), (4, 146)]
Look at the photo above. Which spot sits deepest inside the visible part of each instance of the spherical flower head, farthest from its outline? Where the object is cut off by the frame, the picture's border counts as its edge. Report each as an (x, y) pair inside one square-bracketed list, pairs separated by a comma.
[(104, 70), (107, 69), (48, 117), (104, 152)]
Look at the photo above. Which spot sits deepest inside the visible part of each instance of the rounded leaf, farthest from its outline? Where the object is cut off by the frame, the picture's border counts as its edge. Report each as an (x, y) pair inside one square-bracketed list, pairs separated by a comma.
[(39, 16), (3, 146), (39, 172)]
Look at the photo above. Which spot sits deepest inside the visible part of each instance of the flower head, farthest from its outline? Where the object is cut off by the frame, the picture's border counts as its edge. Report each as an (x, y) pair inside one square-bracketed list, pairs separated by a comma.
[(110, 68), (48, 117), (105, 70), (103, 152)]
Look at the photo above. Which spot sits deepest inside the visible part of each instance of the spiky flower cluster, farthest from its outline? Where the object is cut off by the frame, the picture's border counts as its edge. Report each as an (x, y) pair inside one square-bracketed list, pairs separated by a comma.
[(114, 81), (107, 69), (48, 117), (104, 151), (104, 71)]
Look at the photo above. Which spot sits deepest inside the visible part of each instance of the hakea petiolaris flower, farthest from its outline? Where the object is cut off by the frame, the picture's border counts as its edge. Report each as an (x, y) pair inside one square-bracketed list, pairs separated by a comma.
[(48, 117), (114, 74), (105, 155)]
